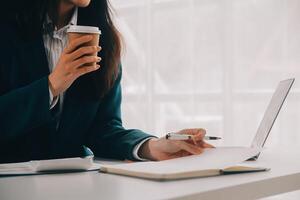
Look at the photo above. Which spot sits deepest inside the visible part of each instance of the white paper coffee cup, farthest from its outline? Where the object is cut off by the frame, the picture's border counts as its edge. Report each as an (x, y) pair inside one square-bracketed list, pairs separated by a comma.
[(75, 31)]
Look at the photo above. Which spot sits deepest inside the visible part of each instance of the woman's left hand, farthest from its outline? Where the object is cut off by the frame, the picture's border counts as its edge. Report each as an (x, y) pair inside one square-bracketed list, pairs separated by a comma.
[(164, 149)]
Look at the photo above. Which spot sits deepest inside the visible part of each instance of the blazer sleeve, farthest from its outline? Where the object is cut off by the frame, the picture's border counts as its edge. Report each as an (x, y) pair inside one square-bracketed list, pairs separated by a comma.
[(23, 109), (108, 137)]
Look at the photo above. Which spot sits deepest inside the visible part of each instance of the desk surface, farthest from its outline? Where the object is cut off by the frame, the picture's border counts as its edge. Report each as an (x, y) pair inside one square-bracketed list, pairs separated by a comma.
[(283, 177)]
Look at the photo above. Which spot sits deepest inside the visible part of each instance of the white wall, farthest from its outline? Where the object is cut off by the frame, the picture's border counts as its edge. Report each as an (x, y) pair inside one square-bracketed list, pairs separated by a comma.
[(211, 64)]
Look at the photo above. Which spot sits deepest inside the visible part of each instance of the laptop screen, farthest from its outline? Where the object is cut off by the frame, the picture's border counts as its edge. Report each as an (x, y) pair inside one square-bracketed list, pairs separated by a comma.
[(272, 112)]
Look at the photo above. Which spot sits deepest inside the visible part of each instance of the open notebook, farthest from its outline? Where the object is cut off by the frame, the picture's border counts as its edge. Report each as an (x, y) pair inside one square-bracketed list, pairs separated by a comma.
[(215, 161), (49, 166)]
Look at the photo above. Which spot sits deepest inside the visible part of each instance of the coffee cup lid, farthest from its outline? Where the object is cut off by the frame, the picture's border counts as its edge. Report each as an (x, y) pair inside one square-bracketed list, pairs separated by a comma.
[(83, 29)]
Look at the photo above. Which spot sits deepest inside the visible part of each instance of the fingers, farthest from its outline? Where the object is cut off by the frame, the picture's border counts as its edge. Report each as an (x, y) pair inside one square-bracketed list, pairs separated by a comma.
[(206, 145), (72, 46), (200, 143), (84, 51), (193, 131), (84, 60), (198, 134), (193, 149)]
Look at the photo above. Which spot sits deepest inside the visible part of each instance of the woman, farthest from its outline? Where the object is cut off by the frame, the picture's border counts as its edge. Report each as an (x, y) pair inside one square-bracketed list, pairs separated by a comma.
[(51, 107)]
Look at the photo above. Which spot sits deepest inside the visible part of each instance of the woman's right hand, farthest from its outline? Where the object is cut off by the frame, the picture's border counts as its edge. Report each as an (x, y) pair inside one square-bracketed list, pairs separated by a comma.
[(68, 68)]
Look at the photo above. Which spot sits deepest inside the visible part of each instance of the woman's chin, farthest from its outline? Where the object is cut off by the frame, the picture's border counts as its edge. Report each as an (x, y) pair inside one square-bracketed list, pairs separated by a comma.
[(81, 3)]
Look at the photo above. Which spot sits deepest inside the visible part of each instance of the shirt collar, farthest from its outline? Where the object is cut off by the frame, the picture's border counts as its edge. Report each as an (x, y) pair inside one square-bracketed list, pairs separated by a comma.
[(73, 20), (49, 27)]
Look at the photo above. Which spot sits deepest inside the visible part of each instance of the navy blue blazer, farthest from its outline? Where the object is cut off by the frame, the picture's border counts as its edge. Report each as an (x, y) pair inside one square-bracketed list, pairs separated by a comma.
[(27, 127)]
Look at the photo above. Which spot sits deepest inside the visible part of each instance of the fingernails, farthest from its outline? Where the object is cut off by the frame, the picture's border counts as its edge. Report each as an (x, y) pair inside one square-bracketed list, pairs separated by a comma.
[(98, 59), (99, 48), (97, 66)]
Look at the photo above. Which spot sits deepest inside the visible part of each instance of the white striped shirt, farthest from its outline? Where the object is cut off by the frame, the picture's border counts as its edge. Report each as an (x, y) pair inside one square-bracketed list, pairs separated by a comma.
[(55, 41)]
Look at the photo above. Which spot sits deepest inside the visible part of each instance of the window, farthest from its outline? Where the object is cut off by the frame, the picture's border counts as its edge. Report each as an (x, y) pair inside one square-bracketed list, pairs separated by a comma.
[(211, 64)]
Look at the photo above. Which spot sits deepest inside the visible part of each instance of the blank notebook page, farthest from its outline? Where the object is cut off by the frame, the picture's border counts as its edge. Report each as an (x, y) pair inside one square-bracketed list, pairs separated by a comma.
[(215, 158)]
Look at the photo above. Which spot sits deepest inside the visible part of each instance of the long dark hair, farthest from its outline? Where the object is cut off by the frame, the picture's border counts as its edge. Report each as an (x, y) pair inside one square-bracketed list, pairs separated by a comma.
[(30, 16)]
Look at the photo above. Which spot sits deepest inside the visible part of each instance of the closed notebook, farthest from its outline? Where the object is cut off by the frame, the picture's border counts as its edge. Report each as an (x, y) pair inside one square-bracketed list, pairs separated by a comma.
[(49, 166), (212, 162)]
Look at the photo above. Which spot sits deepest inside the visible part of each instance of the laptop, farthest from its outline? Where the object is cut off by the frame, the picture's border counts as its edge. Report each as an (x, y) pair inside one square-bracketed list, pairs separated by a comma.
[(271, 114)]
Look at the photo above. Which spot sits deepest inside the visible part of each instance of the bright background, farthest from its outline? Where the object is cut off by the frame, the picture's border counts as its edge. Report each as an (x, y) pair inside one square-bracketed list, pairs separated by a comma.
[(211, 64)]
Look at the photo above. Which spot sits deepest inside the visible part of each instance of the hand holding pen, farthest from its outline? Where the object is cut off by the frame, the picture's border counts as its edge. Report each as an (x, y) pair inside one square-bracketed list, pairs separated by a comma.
[(174, 145)]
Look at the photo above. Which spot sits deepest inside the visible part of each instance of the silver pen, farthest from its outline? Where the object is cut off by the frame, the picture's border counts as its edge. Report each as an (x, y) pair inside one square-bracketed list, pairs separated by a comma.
[(177, 136)]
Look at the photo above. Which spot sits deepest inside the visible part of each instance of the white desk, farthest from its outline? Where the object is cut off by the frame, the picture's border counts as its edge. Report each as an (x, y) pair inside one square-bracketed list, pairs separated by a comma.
[(283, 177)]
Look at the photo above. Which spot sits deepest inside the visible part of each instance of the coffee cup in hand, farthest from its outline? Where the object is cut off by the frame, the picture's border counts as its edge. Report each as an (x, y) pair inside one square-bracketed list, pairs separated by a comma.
[(75, 31)]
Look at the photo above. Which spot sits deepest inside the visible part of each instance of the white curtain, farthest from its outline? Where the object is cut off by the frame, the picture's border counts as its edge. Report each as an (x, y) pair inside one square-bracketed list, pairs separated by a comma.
[(211, 64)]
